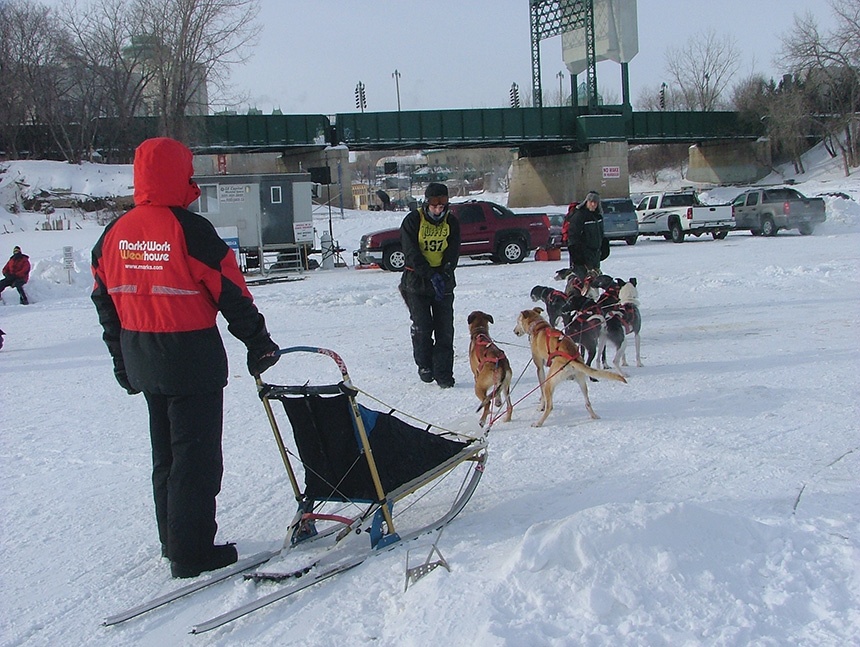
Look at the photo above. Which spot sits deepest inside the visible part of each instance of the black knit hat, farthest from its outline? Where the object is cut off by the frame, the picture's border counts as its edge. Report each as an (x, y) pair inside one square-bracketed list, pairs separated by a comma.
[(435, 190)]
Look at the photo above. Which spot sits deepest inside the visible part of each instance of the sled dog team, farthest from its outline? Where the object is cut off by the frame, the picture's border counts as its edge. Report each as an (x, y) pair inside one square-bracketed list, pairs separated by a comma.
[(592, 312)]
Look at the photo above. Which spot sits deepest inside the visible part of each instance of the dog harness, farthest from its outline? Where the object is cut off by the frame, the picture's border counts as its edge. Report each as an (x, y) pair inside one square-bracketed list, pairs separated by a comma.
[(551, 333), (482, 343), (611, 307), (589, 317)]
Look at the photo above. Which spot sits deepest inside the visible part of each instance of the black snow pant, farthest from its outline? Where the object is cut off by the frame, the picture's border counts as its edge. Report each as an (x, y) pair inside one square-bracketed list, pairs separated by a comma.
[(432, 333), (187, 466), (14, 282)]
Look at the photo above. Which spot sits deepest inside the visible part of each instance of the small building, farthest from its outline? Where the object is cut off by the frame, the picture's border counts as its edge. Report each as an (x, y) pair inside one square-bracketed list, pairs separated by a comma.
[(266, 218)]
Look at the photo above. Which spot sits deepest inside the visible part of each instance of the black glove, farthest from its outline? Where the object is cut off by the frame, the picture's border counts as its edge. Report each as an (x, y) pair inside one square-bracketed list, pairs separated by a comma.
[(262, 355), (438, 283), (122, 377)]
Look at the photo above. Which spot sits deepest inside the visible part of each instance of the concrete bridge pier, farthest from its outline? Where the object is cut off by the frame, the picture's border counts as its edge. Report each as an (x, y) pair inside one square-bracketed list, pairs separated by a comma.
[(562, 179), (734, 162)]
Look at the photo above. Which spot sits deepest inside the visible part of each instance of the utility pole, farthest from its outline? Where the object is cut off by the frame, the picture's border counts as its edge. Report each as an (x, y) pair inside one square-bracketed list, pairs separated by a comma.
[(396, 76), (560, 76)]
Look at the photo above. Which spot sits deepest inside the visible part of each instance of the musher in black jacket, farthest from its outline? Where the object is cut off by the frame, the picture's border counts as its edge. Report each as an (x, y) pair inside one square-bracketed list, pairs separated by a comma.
[(430, 237), (585, 235)]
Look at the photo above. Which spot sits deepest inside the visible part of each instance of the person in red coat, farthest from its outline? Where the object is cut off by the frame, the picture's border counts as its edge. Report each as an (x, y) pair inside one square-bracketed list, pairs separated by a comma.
[(16, 273), (162, 275)]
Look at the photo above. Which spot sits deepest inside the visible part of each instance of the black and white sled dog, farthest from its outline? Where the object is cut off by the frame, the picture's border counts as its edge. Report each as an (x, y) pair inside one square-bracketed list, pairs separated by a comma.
[(576, 281), (619, 302), (584, 323), (554, 300)]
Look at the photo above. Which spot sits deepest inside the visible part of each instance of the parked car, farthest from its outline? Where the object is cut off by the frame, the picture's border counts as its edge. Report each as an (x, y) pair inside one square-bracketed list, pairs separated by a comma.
[(619, 222), (487, 230), (677, 214), (765, 211)]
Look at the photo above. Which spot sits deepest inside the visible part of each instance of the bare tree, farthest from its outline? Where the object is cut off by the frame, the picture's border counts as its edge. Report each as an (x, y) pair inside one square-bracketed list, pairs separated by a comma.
[(789, 121), (829, 64), (105, 38), (31, 84), (702, 69), (13, 111), (650, 159), (192, 44), (493, 164), (659, 98)]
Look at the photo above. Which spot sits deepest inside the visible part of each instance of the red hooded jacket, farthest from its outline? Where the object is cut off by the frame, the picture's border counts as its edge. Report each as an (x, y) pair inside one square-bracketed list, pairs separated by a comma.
[(162, 274), (18, 266)]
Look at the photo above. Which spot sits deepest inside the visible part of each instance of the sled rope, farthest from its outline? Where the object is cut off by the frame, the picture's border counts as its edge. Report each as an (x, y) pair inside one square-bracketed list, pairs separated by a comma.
[(428, 425), (514, 404)]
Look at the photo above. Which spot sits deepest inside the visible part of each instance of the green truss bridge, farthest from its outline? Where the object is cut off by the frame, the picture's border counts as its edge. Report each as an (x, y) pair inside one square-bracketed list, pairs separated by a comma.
[(545, 129)]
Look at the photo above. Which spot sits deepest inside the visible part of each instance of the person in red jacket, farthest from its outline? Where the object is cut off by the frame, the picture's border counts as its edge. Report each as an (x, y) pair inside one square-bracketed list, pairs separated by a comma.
[(162, 275), (16, 273)]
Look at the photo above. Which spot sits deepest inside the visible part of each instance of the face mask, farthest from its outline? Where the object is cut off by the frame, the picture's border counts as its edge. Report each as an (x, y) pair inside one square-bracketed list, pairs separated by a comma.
[(433, 217)]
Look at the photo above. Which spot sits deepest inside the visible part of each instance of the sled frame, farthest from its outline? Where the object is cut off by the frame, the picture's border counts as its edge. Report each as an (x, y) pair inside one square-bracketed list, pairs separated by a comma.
[(377, 516)]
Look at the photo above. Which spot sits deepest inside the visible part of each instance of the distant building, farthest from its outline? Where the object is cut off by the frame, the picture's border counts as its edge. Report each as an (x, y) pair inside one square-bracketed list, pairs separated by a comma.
[(147, 51)]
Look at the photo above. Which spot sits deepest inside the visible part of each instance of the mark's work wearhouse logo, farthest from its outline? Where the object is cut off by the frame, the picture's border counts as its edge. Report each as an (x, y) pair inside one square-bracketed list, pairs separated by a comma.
[(144, 250)]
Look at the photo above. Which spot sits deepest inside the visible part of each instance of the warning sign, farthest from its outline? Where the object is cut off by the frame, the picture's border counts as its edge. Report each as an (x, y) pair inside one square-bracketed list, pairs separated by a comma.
[(304, 232), (611, 172)]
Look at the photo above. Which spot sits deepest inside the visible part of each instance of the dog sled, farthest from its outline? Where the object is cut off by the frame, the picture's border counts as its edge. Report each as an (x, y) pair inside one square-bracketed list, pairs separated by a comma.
[(364, 470), (364, 482)]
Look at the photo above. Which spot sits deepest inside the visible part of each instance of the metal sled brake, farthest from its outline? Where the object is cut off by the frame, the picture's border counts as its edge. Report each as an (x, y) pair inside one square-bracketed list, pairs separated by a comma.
[(365, 470)]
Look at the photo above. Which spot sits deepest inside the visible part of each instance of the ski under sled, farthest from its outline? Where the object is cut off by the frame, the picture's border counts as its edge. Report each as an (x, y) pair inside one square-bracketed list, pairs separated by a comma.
[(218, 576)]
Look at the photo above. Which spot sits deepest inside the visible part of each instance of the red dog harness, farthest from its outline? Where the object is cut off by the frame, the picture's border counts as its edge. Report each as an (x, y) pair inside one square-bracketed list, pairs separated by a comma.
[(482, 343), (591, 313), (552, 333)]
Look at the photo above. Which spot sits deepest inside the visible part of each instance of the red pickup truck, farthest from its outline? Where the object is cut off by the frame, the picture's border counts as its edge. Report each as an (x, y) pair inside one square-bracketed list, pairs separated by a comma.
[(487, 230)]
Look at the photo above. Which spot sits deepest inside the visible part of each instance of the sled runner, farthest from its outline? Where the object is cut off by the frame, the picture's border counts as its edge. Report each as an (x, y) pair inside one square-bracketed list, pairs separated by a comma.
[(366, 470)]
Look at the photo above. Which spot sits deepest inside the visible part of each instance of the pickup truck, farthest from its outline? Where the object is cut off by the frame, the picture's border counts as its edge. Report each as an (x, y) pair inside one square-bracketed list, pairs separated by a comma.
[(487, 230), (674, 215), (765, 211)]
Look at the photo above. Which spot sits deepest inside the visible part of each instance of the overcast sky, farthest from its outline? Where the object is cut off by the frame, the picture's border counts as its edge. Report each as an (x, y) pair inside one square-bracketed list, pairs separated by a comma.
[(467, 53)]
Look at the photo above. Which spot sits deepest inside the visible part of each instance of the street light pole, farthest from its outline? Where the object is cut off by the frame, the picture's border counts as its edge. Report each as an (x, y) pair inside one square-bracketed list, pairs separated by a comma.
[(396, 76), (560, 76)]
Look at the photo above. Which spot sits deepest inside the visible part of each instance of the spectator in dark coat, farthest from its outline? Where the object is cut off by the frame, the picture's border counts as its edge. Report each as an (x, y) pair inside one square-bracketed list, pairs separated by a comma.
[(430, 238), (16, 273), (585, 235), (162, 275)]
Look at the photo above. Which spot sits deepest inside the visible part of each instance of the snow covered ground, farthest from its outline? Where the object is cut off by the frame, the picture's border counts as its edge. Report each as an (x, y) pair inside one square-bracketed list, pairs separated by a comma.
[(716, 501)]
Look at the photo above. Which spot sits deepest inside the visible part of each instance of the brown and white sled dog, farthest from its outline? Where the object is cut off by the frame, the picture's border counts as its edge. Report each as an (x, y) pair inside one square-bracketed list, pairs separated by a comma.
[(550, 348), (490, 366)]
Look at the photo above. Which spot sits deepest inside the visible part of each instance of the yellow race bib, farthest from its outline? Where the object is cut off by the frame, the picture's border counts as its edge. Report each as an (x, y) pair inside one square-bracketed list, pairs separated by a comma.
[(433, 240)]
